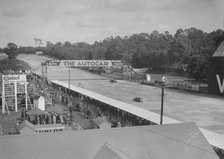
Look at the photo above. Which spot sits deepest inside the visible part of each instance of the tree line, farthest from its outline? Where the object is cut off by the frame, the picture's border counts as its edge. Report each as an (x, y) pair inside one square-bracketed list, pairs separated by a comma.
[(186, 52)]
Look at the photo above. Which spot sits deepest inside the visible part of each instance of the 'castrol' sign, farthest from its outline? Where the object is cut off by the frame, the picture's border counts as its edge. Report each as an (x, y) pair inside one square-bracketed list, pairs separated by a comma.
[(13, 78)]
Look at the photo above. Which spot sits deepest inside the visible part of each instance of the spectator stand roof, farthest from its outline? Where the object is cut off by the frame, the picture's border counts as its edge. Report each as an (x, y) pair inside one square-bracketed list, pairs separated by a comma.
[(157, 141), (118, 104), (213, 138)]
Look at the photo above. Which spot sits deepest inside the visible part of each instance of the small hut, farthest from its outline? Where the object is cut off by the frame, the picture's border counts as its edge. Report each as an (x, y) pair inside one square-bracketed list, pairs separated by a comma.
[(38, 101)]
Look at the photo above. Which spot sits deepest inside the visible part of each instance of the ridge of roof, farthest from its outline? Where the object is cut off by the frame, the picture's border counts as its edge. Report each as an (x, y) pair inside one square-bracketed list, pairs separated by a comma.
[(107, 151)]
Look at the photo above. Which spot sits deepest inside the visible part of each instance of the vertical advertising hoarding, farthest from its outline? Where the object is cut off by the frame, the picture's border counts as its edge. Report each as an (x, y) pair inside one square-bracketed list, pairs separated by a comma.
[(216, 76), (11, 86)]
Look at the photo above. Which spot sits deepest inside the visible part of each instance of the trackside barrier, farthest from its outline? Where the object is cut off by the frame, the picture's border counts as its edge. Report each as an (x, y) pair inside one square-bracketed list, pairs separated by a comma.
[(182, 85)]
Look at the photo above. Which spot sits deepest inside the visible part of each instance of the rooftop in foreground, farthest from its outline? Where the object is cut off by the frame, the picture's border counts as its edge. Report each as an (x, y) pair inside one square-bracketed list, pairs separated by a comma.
[(167, 141)]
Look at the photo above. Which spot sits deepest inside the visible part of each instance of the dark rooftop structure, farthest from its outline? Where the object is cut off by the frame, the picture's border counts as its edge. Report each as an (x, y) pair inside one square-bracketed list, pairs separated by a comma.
[(216, 72)]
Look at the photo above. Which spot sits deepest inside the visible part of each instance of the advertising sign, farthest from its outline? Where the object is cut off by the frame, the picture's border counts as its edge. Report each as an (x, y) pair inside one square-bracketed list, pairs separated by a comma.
[(11, 86), (220, 84), (13, 78), (83, 63)]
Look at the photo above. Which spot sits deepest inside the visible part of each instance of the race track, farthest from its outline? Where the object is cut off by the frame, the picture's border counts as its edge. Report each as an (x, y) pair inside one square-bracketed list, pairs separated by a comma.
[(207, 111)]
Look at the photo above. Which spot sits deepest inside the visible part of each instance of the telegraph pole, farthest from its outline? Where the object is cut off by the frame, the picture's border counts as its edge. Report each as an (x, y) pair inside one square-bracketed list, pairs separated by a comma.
[(162, 98), (69, 79)]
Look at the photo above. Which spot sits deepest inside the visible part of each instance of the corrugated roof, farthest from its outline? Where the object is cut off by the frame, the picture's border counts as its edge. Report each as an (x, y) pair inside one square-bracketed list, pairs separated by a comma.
[(219, 52), (173, 141)]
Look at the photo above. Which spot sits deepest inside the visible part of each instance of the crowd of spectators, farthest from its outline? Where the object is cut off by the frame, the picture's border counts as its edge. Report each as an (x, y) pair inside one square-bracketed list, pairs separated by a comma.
[(91, 108), (47, 118)]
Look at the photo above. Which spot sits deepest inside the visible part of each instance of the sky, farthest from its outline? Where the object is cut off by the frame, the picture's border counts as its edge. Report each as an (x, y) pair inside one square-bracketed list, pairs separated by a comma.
[(94, 20)]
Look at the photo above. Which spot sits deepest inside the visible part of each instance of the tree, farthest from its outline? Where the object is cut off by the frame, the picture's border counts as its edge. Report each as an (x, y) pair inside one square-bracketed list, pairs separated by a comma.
[(38, 42), (49, 44), (67, 44), (186, 52), (1, 50), (58, 44), (35, 41), (11, 50)]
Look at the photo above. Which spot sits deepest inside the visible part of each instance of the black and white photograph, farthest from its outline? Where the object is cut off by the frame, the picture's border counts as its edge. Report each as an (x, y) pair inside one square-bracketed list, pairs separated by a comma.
[(111, 79)]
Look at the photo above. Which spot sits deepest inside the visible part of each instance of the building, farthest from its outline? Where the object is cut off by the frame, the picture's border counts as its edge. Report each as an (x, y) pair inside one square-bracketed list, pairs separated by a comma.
[(39, 102), (216, 72), (80, 123), (39, 53), (171, 141), (102, 123)]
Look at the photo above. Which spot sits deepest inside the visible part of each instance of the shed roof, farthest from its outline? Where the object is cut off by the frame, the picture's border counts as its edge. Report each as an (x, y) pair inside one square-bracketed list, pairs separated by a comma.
[(172, 141), (100, 120), (82, 122)]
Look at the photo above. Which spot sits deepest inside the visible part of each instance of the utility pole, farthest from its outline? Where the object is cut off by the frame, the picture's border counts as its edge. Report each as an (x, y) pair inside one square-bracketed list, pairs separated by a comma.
[(162, 98), (69, 79)]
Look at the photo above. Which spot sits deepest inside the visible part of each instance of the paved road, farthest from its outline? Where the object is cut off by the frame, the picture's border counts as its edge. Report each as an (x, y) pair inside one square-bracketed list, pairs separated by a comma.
[(207, 111)]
